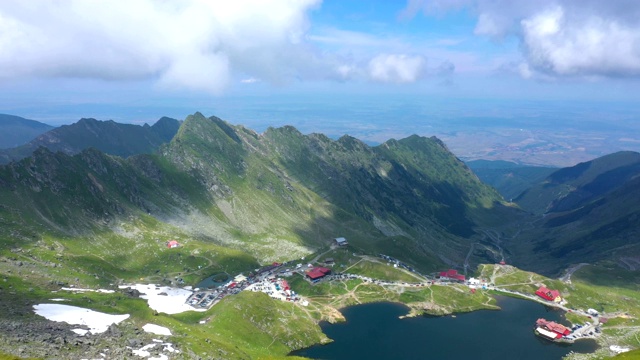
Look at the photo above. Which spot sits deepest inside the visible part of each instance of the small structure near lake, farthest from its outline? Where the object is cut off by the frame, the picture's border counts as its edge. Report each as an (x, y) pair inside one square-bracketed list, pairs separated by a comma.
[(550, 295), (551, 330)]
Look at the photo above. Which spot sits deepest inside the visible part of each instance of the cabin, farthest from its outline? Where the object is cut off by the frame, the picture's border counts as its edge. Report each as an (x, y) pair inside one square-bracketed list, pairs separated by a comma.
[(317, 273), (341, 241), (452, 275), (172, 244), (549, 295), (551, 329)]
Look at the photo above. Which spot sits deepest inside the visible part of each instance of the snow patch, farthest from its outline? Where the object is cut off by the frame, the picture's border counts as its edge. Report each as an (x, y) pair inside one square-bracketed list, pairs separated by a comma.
[(144, 351), (174, 302), (97, 322), (618, 349), (81, 332), (88, 290), (156, 329)]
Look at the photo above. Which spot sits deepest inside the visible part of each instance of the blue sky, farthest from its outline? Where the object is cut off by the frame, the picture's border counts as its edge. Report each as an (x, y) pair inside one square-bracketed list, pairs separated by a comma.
[(255, 62)]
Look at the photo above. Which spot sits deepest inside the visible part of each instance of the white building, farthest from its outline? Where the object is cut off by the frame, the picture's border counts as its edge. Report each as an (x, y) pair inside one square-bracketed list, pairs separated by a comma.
[(473, 281)]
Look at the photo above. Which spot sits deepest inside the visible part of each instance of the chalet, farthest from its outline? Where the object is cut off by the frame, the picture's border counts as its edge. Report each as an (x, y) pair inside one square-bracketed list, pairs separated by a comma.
[(550, 295), (341, 241), (452, 275), (551, 330), (317, 273), (172, 244)]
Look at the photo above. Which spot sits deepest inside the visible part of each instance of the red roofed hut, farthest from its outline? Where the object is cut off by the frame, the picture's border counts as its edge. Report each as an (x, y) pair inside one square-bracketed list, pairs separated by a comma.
[(452, 274), (172, 244), (553, 326), (318, 273), (547, 294)]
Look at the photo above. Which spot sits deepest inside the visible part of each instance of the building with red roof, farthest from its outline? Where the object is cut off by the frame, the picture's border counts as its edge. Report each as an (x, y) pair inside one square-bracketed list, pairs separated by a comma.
[(547, 294), (317, 273), (172, 244), (452, 274), (550, 329), (285, 285)]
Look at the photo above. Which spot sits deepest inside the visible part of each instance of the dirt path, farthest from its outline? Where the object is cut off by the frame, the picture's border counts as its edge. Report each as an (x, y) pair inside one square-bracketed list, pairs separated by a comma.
[(567, 276)]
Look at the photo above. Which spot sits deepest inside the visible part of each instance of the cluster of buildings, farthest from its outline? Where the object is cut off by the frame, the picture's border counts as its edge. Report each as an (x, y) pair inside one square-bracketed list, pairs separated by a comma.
[(276, 288), (551, 330), (208, 298)]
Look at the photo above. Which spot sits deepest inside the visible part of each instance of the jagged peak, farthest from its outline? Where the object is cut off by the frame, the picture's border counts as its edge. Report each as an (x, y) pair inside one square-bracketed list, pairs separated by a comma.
[(352, 142), (286, 129)]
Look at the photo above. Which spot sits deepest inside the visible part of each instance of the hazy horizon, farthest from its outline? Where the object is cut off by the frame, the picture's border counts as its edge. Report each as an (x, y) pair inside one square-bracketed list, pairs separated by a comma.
[(553, 70)]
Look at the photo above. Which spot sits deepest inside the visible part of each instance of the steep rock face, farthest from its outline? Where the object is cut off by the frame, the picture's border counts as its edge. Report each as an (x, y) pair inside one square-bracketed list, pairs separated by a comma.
[(107, 136)]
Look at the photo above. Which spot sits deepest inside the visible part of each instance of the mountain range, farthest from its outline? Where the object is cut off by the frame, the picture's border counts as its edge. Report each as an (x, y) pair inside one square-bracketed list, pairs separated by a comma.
[(282, 194), (107, 136), (585, 213), (275, 195)]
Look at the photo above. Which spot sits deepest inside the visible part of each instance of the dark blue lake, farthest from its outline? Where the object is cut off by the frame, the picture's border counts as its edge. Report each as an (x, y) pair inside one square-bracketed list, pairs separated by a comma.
[(374, 331)]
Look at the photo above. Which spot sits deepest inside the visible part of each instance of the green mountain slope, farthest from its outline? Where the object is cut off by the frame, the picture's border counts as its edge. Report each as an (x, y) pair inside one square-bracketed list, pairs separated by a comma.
[(273, 196), (575, 186), (107, 136), (592, 213), (510, 179), (16, 131)]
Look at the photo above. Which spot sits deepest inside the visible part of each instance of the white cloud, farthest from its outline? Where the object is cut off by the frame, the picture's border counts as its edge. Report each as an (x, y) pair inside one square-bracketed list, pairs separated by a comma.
[(250, 80), (397, 68), (589, 45), (582, 38), (193, 44)]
